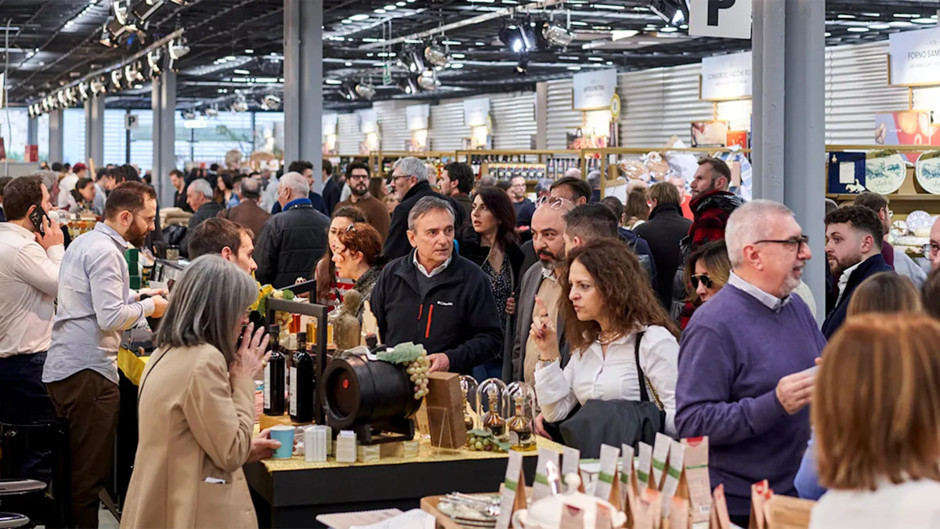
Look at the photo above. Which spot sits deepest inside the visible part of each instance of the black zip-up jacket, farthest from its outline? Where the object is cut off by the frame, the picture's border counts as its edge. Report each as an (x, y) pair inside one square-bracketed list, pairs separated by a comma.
[(457, 316)]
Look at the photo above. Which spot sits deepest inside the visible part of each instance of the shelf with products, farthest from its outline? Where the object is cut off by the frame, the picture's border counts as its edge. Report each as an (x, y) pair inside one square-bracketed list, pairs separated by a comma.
[(341, 161), (384, 160), (556, 162), (622, 164)]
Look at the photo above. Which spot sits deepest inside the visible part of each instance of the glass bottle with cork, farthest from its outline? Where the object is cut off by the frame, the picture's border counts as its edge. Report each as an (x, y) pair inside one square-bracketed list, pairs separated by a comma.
[(274, 376), (301, 383), (520, 427), (492, 421)]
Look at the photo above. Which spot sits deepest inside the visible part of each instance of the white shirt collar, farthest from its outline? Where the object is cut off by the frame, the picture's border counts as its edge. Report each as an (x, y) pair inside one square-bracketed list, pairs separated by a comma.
[(844, 279), (19, 230), (770, 301), (548, 273), (434, 272)]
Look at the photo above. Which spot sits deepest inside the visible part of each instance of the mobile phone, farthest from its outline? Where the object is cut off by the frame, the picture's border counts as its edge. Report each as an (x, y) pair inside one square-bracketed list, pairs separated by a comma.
[(36, 218)]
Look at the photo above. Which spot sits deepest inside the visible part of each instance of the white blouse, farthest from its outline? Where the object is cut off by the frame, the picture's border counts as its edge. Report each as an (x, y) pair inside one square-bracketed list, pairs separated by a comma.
[(589, 375), (903, 506)]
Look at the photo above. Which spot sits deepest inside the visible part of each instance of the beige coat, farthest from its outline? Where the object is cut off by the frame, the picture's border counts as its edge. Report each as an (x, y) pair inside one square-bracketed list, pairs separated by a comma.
[(196, 423)]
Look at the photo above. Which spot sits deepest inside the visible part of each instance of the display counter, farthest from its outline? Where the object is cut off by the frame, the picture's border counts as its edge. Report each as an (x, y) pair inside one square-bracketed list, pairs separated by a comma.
[(292, 492)]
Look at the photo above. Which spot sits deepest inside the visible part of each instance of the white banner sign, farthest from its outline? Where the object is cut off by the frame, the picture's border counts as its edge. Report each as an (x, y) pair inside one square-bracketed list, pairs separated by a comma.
[(720, 18), (594, 90), (328, 122), (475, 111), (915, 57), (726, 77), (417, 116), (368, 121)]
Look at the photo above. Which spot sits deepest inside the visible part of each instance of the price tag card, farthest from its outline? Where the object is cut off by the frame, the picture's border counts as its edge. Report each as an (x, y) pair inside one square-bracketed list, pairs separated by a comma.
[(626, 474), (673, 473), (570, 461), (513, 487), (660, 455), (643, 471), (605, 478), (540, 487)]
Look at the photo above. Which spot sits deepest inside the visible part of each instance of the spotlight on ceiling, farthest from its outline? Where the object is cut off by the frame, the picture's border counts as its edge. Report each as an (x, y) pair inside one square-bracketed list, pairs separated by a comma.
[(522, 67), (116, 76), (428, 80), (518, 37), (155, 62), (83, 90), (71, 95), (270, 102), (240, 104), (556, 35), (212, 111), (436, 54), (188, 114), (105, 39), (32, 111), (121, 24), (178, 48), (98, 86), (365, 90), (132, 73), (408, 86), (143, 9), (674, 12)]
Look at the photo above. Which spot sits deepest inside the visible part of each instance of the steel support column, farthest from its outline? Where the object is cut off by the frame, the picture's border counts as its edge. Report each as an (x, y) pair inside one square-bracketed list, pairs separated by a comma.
[(789, 119), (303, 83), (56, 137), (94, 130), (163, 102)]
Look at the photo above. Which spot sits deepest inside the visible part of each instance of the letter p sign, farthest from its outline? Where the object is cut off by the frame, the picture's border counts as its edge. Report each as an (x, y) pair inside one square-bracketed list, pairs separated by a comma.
[(720, 18), (714, 6)]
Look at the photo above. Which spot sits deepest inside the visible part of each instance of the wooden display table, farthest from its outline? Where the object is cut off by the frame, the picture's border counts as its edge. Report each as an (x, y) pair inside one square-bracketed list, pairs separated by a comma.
[(292, 492)]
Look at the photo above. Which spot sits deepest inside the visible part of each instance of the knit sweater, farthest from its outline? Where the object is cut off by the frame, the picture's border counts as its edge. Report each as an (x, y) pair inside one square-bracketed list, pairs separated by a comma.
[(732, 355)]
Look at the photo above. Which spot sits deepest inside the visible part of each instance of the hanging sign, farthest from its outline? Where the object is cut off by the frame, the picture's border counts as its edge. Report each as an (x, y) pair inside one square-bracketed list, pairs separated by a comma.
[(328, 122), (417, 116), (726, 77), (368, 120), (476, 112), (593, 90), (720, 18), (914, 57)]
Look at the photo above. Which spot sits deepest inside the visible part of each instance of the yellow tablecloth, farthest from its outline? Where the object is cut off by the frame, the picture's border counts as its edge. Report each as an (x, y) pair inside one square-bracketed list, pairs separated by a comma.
[(131, 365), (426, 454)]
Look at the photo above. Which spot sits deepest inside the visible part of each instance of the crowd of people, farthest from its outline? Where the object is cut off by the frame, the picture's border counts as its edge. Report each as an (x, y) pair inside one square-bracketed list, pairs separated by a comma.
[(681, 311)]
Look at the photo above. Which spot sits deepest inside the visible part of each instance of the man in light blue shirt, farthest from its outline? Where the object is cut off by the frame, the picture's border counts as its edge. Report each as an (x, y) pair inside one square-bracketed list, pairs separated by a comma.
[(95, 306)]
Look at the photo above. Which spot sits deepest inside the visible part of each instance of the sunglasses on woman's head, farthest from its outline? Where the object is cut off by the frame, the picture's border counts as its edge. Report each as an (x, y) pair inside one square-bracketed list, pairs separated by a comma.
[(552, 202), (707, 281)]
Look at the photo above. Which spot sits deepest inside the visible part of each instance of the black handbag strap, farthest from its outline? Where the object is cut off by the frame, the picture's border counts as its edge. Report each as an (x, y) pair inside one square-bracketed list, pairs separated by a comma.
[(641, 378)]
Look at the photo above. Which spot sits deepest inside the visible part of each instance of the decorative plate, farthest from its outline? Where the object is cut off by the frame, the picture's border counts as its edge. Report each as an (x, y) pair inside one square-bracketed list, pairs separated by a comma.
[(885, 171), (919, 219), (927, 170)]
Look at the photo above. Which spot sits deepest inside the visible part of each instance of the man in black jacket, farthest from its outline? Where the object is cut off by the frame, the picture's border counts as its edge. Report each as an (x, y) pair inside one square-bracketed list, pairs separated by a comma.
[(436, 298), (410, 178), (663, 232), (291, 242), (853, 251)]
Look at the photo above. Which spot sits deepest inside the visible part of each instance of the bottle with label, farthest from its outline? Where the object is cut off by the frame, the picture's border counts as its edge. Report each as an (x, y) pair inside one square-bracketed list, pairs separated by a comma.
[(468, 421), (301, 383), (520, 428), (274, 375), (492, 421)]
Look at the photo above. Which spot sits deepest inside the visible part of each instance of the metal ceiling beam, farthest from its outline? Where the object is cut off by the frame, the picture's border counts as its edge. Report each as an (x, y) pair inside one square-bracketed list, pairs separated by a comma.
[(506, 11)]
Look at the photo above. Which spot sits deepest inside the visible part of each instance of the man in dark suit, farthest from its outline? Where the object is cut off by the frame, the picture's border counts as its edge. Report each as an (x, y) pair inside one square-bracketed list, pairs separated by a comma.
[(664, 230), (248, 212), (853, 251), (333, 188)]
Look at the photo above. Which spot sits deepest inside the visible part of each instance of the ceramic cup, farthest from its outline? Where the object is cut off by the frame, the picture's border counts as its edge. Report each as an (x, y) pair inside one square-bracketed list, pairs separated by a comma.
[(284, 434)]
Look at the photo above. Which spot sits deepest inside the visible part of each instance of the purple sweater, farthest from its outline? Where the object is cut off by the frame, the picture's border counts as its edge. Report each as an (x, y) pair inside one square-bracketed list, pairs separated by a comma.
[(731, 357)]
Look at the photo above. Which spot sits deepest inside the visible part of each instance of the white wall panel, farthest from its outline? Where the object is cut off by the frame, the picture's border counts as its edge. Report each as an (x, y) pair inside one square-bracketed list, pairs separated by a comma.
[(561, 117), (513, 120), (392, 125), (348, 136), (447, 129)]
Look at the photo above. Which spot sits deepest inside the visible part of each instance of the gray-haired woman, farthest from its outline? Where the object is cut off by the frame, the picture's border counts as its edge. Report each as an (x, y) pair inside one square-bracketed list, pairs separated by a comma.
[(196, 404)]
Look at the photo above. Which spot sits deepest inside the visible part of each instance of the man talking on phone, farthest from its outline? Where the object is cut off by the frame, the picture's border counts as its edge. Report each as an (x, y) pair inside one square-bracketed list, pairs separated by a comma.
[(95, 306), (29, 272)]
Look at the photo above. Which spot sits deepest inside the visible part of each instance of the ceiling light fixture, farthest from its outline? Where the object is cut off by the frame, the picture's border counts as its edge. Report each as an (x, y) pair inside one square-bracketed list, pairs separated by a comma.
[(155, 62), (556, 35), (428, 80), (270, 102), (436, 54), (365, 90), (143, 9), (675, 12)]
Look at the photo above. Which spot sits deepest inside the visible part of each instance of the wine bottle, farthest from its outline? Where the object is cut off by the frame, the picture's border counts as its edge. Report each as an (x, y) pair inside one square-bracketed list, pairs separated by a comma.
[(301, 383), (274, 373)]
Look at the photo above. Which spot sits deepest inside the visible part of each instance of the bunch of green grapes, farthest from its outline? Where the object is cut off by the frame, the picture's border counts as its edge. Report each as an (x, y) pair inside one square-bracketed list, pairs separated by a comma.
[(481, 440), (418, 373)]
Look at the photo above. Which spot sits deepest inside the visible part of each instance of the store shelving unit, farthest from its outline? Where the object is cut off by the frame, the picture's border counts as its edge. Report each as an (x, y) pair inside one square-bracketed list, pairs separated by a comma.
[(382, 160)]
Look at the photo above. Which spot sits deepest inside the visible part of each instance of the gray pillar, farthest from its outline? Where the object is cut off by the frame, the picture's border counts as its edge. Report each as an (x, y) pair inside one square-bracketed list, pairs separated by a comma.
[(163, 102), (56, 126), (94, 130), (303, 83), (789, 119), (32, 131), (541, 115)]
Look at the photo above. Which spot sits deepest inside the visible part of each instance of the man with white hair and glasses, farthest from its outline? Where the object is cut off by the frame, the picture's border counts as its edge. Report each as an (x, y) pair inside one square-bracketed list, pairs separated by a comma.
[(410, 179), (746, 359), (292, 241)]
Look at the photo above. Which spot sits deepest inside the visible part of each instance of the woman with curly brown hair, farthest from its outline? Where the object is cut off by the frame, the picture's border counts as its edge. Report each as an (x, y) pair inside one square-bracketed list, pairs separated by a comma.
[(614, 324), (330, 286)]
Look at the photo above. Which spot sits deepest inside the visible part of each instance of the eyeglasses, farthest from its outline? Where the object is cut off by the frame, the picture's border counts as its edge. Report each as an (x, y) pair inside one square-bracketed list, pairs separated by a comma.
[(351, 227), (553, 202), (704, 279), (932, 249), (799, 242)]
